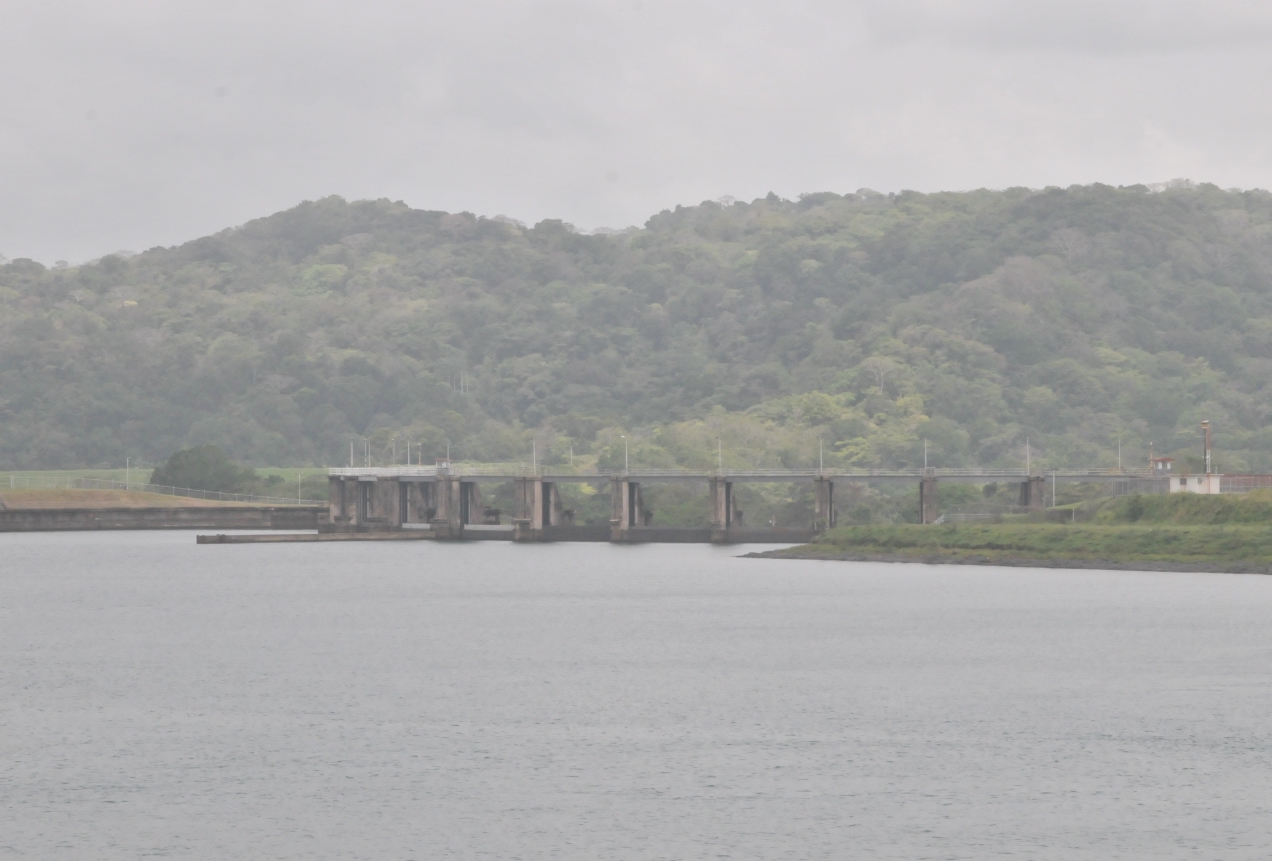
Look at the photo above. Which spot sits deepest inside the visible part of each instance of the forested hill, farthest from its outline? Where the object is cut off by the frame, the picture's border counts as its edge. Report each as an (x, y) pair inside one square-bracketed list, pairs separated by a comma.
[(862, 322)]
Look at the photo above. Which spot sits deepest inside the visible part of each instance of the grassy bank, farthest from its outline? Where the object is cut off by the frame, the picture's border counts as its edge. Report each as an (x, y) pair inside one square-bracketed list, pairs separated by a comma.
[(20, 476), (1242, 547), (28, 499), (1189, 508)]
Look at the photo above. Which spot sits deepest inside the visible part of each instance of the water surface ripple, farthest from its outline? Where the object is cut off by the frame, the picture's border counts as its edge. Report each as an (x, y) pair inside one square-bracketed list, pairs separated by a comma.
[(489, 701)]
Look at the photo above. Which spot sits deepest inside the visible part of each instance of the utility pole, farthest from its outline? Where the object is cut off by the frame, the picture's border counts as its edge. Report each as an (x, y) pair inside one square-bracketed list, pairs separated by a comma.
[(128, 473), (299, 475), (624, 454), (393, 442), (351, 454), (1119, 451), (925, 452), (534, 457), (719, 457), (821, 464), (1028, 469)]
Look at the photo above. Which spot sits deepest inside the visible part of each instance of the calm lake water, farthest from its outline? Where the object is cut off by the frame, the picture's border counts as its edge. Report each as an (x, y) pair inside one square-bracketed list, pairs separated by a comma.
[(490, 701)]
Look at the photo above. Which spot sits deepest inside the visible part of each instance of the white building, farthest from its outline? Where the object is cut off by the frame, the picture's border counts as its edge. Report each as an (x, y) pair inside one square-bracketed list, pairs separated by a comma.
[(1195, 483)]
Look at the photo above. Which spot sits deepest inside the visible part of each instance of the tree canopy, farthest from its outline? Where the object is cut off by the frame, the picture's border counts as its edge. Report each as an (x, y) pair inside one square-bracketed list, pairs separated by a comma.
[(857, 324), (204, 468)]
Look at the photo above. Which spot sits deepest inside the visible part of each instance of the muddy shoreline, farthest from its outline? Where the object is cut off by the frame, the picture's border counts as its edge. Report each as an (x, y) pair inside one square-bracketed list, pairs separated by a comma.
[(1020, 562)]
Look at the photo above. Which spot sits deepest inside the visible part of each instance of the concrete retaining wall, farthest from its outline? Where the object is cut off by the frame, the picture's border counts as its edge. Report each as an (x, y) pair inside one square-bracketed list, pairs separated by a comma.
[(204, 517), (736, 535), (576, 533)]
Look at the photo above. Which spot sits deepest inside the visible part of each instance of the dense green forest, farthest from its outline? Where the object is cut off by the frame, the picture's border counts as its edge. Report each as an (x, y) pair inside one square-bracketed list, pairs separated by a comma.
[(859, 324)]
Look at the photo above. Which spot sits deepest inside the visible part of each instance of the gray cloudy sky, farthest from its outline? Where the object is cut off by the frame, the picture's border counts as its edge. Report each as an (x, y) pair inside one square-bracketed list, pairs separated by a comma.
[(125, 125)]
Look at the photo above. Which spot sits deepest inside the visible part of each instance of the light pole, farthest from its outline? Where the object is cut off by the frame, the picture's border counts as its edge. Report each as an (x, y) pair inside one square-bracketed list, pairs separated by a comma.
[(298, 477), (128, 473), (624, 454), (719, 457), (393, 442)]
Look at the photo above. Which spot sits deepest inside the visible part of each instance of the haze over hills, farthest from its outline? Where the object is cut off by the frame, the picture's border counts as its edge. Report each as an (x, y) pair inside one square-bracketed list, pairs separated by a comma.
[(864, 323)]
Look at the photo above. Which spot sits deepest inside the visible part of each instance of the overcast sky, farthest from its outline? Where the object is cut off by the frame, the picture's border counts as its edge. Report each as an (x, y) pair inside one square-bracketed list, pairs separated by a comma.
[(125, 125)]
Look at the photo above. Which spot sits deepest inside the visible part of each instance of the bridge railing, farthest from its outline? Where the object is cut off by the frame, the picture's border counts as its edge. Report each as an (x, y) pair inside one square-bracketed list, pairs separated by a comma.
[(383, 471), (516, 470)]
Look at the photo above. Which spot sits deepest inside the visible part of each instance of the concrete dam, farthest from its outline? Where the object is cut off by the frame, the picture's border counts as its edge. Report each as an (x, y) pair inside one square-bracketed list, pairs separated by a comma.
[(443, 502)]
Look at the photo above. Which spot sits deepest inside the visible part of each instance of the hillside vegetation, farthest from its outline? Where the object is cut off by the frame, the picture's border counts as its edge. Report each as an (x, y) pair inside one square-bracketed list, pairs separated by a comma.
[(860, 323), (1191, 508)]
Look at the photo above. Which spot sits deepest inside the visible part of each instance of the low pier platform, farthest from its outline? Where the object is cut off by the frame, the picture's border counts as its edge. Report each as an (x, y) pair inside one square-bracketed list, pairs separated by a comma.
[(291, 537), (601, 534)]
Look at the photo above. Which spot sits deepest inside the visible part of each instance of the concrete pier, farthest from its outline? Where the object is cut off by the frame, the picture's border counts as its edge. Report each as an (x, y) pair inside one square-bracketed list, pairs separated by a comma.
[(1033, 492), (628, 509), (536, 509), (929, 502), (824, 504), (722, 508)]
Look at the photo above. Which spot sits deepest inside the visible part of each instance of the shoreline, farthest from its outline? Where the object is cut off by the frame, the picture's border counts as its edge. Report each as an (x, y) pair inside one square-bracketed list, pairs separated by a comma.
[(1199, 567)]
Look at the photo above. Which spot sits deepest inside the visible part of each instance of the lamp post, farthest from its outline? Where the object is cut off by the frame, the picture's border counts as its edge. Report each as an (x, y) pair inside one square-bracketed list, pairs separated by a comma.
[(624, 454), (299, 474), (128, 473), (719, 457)]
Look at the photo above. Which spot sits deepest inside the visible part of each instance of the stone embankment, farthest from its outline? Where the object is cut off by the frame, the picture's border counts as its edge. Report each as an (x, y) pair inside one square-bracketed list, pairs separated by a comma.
[(244, 517)]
